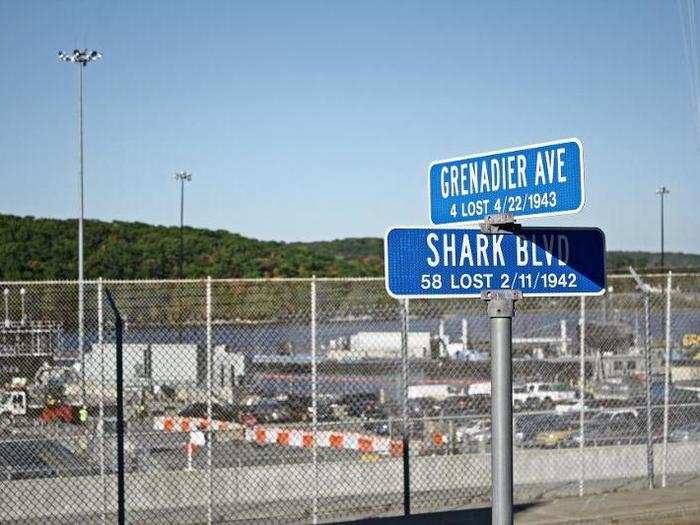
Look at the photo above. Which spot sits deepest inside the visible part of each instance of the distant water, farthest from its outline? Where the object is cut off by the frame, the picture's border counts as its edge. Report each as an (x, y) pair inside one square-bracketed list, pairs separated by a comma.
[(273, 338)]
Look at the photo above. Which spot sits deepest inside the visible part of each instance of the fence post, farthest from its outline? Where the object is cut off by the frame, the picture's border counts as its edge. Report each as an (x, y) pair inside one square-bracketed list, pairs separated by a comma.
[(667, 377), (210, 356), (647, 376), (404, 411), (582, 395), (314, 402), (101, 414), (119, 330)]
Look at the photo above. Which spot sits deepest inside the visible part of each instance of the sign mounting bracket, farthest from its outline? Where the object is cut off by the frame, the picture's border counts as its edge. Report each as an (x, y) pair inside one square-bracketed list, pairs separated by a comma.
[(500, 223)]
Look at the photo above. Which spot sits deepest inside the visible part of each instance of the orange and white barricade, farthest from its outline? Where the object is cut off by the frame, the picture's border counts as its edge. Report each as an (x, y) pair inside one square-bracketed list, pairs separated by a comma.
[(440, 439), (187, 424), (324, 439)]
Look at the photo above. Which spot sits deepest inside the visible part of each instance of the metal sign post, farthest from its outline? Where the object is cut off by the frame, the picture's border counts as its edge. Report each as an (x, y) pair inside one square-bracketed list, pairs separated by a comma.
[(501, 308), (404, 411)]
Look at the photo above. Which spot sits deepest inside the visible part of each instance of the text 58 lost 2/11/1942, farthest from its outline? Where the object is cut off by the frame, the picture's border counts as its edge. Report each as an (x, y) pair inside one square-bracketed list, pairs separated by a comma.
[(436, 262)]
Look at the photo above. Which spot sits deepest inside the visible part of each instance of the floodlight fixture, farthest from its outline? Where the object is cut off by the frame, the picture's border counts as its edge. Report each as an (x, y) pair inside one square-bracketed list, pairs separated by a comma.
[(80, 57)]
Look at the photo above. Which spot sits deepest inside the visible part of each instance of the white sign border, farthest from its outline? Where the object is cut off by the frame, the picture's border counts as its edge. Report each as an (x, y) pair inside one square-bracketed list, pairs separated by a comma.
[(478, 295), (510, 150)]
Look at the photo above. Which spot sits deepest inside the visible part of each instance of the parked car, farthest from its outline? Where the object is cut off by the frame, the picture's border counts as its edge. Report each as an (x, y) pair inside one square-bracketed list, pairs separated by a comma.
[(357, 404), (271, 411), (301, 407), (480, 403), (689, 432), (612, 427), (219, 412), (575, 407), (527, 427), (423, 407), (456, 406), (616, 417), (474, 430), (558, 435), (542, 395), (377, 421), (297, 405)]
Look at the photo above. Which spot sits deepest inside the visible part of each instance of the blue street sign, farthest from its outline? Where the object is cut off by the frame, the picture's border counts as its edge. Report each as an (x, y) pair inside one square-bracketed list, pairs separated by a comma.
[(450, 262), (532, 181)]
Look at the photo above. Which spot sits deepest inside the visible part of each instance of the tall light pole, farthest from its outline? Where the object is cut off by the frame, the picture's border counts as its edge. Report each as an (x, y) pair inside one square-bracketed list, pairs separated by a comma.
[(182, 176), (663, 190), (82, 58)]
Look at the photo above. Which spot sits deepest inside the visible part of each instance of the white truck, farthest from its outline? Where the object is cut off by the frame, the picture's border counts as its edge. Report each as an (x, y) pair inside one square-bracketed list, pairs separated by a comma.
[(12, 403), (542, 395)]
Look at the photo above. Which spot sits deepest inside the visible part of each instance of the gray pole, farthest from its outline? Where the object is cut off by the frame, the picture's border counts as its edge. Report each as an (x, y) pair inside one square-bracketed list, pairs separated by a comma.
[(662, 230), (210, 435), (314, 401), (22, 296), (182, 176), (82, 58), (582, 395), (101, 417), (501, 308), (404, 411), (647, 375), (182, 225), (663, 190), (81, 312), (667, 377), (6, 294)]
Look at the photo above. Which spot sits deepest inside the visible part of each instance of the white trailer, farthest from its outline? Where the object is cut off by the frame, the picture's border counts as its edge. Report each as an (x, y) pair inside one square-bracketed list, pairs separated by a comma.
[(480, 388), (437, 392), (388, 344)]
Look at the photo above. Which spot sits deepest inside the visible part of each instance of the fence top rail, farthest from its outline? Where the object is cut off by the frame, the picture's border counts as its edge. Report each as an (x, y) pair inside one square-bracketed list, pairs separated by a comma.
[(263, 280), (194, 281)]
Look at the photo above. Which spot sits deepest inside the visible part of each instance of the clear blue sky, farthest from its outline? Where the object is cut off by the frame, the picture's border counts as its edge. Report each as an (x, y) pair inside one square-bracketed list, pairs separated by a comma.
[(317, 120)]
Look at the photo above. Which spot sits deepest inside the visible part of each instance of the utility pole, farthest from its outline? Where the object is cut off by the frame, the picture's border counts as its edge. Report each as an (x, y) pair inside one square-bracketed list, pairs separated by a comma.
[(182, 176), (663, 190), (82, 58)]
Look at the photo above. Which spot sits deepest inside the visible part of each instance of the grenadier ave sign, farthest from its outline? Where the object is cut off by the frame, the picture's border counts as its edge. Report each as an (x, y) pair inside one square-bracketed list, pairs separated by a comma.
[(532, 181)]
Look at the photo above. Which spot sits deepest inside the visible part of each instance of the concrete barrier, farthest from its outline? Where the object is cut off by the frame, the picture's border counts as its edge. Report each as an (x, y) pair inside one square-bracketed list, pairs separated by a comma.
[(170, 490)]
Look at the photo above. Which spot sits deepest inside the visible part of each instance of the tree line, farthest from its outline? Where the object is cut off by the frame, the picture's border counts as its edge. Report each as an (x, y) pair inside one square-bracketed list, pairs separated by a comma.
[(35, 248)]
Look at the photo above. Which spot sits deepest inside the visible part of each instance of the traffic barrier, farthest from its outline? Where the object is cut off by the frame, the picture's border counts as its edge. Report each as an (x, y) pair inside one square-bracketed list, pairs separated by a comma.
[(366, 443), (186, 424)]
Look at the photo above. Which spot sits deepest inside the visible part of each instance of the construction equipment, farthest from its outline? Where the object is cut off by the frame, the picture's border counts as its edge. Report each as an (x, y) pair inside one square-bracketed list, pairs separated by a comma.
[(52, 395)]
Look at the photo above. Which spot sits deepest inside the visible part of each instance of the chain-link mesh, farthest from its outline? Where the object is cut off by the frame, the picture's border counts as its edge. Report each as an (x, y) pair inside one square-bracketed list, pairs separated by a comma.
[(49, 444), (285, 400)]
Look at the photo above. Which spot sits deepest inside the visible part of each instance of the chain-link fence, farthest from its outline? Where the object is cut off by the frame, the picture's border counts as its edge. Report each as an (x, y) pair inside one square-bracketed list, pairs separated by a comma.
[(313, 400)]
